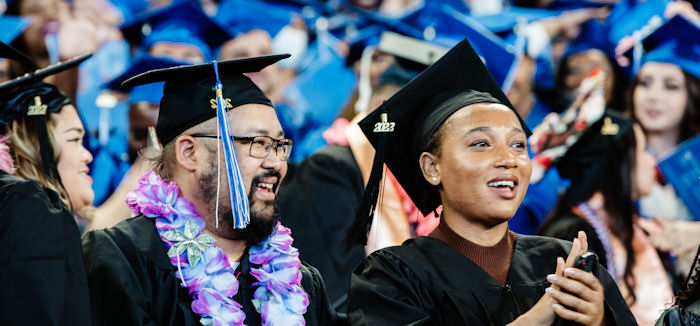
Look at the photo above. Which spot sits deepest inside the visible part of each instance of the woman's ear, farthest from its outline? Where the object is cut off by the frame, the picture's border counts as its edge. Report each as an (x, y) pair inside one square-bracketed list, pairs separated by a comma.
[(186, 153), (430, 166)]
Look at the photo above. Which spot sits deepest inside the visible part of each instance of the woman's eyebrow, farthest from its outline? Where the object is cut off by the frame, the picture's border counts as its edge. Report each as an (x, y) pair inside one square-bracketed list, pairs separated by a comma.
[(489, 129), (78, 129), (479, 129), (517, 130)]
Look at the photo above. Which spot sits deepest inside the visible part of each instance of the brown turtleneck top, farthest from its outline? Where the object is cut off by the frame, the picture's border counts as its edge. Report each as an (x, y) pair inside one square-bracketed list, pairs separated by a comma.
[(494, 260)]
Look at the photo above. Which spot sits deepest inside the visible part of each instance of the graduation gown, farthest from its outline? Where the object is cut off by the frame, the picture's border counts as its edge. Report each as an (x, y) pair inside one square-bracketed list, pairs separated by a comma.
[(318, 200), (42, 274), (132, 281), (426, 282)]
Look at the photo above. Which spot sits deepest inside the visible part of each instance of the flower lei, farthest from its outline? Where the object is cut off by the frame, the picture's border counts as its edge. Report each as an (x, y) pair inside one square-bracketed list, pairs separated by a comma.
[(205, 270)]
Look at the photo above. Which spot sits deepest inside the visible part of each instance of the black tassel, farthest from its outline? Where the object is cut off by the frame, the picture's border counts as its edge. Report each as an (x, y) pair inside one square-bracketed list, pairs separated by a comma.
[(365, 212), (47, 156), (48, 162)]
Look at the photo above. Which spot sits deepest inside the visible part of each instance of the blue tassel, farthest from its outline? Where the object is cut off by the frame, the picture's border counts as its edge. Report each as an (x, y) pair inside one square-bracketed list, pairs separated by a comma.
[(237, 190)]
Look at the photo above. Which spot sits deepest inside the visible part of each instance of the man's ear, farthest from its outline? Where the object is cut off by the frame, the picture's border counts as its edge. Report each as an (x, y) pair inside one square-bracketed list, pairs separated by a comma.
[(186, 153), (430, 167)]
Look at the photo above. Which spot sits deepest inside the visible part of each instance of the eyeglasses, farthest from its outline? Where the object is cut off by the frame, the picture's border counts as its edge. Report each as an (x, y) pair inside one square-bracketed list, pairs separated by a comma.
[(260, 146)]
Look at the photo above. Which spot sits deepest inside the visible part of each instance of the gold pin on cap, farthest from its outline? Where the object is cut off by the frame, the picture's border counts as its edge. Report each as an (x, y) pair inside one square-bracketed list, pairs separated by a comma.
[(609, 128), (37, 108)]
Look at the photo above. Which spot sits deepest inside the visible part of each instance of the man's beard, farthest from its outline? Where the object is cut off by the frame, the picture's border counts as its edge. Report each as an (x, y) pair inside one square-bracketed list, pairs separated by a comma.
[(264, 214)]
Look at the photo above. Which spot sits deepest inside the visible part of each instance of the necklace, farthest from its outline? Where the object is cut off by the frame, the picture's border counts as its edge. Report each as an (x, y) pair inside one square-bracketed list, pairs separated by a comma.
[(204, 269), (603, 234)]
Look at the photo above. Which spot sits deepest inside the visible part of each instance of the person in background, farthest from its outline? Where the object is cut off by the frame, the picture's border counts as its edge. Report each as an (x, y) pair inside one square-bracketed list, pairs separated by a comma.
[(255, 43), (179, 31), (686, 309), (263, 28), (664, 98), (604, 156), (43, 273), (452, 138), (60, 31)]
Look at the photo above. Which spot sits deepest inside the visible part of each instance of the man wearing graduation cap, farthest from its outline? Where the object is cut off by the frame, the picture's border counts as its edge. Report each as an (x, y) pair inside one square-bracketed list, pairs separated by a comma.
[(452, 138), (205, 245)]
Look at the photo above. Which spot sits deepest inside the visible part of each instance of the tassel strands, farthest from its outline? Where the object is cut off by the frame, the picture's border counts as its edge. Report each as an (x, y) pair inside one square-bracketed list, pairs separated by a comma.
[(370, 199), (237, 190)]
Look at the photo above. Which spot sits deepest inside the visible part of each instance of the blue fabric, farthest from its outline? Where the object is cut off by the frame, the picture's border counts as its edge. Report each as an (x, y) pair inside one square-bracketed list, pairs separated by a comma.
[(149, 93), (180, 22), (109, 165), (240, 16), (129, 8), (109, 61), (590, 38), (684, 54), (11, 27), (451, 26), (537, 114), (504, 22), (311, 105), (178, 32), (628, 16)]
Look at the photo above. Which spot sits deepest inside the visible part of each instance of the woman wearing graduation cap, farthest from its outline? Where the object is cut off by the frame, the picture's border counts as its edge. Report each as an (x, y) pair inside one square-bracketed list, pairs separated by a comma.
[(604, 155), (451, 137), (664, 99), (43, 277)]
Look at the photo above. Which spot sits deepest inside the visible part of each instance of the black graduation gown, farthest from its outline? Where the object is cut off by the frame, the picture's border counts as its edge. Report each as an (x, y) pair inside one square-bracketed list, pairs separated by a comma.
[(133, 283), (318, 201), (426, 282), (42, 274)]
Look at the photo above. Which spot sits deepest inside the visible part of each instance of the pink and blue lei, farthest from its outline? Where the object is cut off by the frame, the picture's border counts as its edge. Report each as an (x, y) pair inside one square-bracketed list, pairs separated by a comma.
[(204, 269)]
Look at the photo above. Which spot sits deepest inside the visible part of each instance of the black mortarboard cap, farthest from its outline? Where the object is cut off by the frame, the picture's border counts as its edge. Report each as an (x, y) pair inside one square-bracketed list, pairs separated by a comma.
[(458, 79), (17, 95), (29, 96), (8, 52), (189, 90), (595, 146)]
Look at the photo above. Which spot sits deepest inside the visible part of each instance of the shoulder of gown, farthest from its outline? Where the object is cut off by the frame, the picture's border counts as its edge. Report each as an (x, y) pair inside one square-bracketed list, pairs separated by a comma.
[(320, 311), (425, 282), (131, 279), (318, 203), (43, 275)]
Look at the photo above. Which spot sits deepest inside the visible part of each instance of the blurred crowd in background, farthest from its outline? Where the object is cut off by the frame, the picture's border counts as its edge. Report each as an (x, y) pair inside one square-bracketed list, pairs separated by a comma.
[(538, 51)]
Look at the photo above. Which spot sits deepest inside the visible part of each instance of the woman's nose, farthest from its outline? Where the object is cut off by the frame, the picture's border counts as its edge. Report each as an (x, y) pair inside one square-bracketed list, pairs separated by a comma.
[(87, 156), (506, 159)]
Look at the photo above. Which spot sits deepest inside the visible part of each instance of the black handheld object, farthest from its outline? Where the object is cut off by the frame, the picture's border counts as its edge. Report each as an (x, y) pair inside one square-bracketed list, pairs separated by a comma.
[(586, 261)]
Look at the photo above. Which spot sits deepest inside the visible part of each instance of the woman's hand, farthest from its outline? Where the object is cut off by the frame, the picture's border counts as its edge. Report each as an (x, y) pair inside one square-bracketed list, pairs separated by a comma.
[(543, 312), (584, 302)]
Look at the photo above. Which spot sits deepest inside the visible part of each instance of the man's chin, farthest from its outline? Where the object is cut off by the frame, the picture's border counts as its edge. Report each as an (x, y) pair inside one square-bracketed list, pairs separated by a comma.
[(258, 229)]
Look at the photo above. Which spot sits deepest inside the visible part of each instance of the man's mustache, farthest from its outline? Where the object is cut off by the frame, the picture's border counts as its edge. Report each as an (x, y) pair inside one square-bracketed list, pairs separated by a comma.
[(258, 178)]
